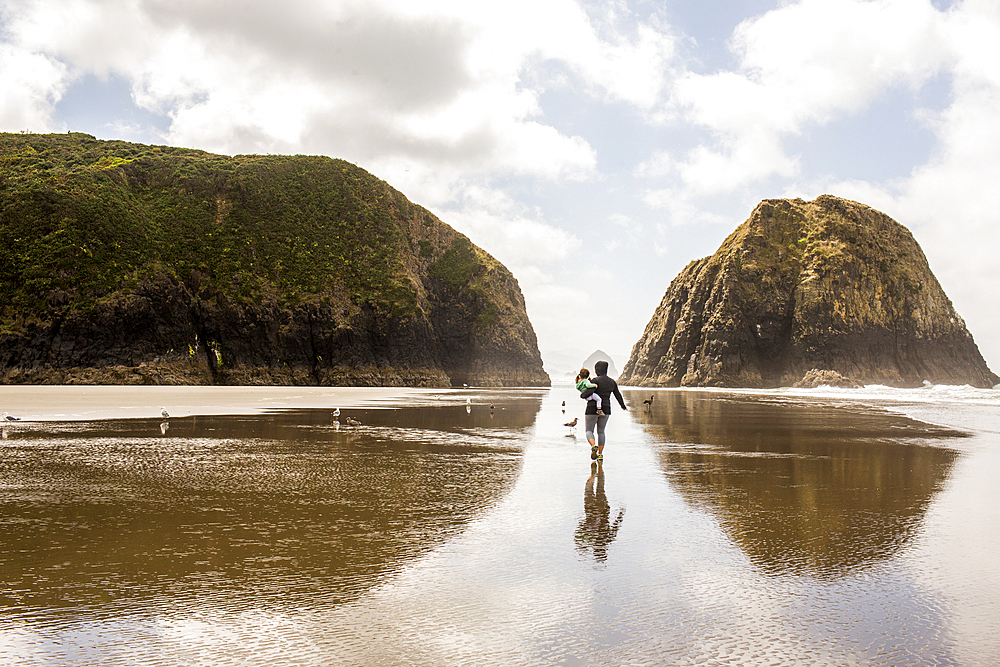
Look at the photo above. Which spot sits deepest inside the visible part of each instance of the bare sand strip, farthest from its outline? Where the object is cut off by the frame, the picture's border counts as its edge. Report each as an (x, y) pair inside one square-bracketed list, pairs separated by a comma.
[(90, 402)]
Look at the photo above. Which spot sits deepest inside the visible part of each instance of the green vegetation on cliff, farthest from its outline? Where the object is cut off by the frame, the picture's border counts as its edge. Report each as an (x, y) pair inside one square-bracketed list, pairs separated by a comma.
[(827, 285), (87, 217), (89, 227)]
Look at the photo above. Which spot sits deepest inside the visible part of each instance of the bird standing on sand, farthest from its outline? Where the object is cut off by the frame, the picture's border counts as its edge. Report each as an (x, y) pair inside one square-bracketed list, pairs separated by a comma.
[(353, 422), (649, 402), (336, 412), (8, 418), (164, 413), (572, 425)]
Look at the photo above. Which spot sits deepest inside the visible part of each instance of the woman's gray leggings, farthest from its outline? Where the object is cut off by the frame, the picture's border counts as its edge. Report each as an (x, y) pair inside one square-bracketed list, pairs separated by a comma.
[(600, 421)]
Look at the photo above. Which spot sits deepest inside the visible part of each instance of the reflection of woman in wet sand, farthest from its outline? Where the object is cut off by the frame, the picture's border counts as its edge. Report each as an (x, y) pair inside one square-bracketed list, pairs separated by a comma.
[(596, 531)]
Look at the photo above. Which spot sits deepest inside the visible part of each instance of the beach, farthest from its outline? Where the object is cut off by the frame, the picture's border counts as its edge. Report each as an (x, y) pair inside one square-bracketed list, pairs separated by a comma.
[(90, 402), (469, 526)]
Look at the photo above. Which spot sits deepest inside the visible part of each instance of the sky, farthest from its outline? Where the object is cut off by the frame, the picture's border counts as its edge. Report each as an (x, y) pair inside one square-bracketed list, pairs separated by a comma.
[(595, 147)]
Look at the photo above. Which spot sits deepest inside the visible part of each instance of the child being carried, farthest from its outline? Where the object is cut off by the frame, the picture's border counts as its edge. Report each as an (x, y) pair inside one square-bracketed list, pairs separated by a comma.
[(583, 384)]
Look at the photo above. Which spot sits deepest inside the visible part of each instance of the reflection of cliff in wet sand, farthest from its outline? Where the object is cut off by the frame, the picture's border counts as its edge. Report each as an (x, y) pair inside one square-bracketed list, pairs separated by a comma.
[(801, 487), (245, 509), (597, 531)]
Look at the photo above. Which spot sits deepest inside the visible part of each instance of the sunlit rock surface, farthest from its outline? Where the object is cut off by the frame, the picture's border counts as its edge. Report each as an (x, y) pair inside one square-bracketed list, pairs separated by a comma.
[(129, 264), (829, 284)]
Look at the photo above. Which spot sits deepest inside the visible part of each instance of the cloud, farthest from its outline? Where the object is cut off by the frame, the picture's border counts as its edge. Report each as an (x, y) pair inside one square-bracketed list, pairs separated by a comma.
[(451, 84), (513, 232), (803, 64), (659, 164), (31, 83), (559, 307)]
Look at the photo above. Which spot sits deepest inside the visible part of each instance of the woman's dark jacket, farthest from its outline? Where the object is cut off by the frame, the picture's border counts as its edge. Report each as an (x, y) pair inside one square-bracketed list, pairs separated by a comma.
[(605, 387)]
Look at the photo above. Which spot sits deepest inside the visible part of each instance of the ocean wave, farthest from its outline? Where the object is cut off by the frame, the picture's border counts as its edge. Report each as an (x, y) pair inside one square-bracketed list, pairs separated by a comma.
[(929, 393)]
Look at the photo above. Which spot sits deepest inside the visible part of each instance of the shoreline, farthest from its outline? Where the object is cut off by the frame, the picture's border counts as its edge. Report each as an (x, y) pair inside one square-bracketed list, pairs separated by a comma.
[(42, 403)]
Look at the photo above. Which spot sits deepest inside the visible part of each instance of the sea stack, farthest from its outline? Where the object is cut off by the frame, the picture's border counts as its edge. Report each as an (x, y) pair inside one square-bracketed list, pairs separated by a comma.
[(806, 287), (122, 263)]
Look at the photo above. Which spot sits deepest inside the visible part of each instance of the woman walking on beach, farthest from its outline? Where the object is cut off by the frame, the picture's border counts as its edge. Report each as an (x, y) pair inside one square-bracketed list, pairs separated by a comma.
[(605, 386)]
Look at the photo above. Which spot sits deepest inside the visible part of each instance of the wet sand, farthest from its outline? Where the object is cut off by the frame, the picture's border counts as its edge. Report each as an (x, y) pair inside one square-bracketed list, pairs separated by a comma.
[(721, 529), (83, 403)]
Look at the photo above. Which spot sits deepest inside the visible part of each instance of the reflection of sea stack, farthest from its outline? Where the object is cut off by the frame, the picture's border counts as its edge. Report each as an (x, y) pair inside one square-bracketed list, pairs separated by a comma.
[(803, 488), (826, 285)]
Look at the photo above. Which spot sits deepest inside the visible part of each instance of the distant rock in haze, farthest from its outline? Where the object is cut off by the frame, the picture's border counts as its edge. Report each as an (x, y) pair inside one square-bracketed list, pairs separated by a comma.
[(826, 285), (600, 355), (562, 363), (129, 264)]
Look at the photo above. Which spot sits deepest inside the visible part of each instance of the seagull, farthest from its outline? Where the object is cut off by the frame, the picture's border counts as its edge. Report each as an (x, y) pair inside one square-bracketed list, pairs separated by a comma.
[(649, 401), (564, 407), (336, 412), (8, 418), (164, 413), (353, 422), (572, 425)]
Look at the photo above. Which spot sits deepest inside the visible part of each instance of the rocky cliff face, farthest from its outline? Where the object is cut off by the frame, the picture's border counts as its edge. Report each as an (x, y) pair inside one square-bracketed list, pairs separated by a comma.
[(824, 285), (122, 263)]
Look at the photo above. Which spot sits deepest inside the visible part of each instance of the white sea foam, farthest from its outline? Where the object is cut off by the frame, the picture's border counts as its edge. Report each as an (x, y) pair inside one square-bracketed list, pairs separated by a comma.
[(929, 393), (956, 406)]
